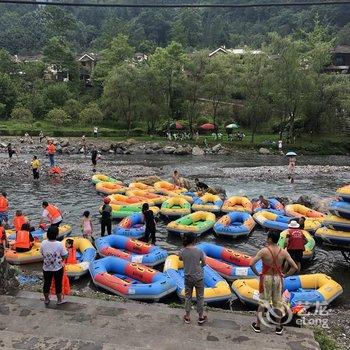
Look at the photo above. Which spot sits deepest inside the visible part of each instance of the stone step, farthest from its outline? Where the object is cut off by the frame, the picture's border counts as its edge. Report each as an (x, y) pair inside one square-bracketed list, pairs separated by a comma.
[(25, 323)]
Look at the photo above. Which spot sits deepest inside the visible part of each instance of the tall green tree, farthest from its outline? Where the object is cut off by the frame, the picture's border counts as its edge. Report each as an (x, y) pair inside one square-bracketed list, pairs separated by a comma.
[(8, 94)]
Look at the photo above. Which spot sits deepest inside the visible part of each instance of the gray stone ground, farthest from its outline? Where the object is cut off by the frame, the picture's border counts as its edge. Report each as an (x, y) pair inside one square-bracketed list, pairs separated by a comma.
[(90, 324)]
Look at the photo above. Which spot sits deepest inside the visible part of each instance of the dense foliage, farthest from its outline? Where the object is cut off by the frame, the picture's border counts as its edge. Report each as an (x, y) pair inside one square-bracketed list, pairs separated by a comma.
[(281, 89)]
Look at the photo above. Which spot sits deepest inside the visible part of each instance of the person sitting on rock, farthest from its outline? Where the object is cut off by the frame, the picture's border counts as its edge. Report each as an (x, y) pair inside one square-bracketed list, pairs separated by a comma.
[(201, 186), (263, 203)]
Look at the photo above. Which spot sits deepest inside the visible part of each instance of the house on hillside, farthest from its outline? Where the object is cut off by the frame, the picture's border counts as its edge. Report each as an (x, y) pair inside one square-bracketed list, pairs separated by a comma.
[(340, 60), (140, 57), (87, 62), (241, 52)]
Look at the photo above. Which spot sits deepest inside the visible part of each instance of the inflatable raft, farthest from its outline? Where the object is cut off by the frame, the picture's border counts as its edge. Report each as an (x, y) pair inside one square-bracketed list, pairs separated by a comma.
[(298, 211), (309, 246), (168, 189), (216, 289), (131, 249), (341, 238), (120, 199), (157, 199), (131, 226), (122, 211), (336, 223), (208, 202), (272, 221), (235, 224), (344, 192), (305, 290), (29, 257), (198, 223), (130, 280), (40, 234), (237, 203), (141, 186), (86, 253), (340, 208), (103, 178), (175, 207), (275, 206), (109, 188), (229, 263)]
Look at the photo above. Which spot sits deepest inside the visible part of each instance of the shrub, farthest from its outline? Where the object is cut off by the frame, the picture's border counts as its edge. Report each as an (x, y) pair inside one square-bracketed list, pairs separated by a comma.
[(38, 125), (73, 108), (22, 114), (137, 132), (91, 115), (58, 116)]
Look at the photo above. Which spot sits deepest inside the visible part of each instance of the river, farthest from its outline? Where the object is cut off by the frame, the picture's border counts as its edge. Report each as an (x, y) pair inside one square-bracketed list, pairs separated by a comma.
[(73, 197)]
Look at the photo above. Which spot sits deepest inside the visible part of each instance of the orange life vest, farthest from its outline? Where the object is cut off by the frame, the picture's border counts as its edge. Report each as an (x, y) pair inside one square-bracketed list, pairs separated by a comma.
[(72, 256), (2, 235), (54, 212), (4, 204), (51, 149), (22, 239), (18, 221)]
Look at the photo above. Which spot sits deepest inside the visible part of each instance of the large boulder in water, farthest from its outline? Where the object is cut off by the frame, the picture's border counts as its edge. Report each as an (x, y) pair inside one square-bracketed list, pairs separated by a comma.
[(216, 148), (169, 150), (306, 200), (197, 151), (263, 150), (8, 281), (183, 150)]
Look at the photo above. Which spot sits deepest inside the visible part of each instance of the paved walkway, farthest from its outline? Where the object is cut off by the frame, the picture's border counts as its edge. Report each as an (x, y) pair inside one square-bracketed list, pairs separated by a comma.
[(90, 324)]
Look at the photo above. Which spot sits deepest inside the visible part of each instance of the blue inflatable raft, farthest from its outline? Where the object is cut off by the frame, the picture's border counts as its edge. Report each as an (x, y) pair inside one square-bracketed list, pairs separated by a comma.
[(340, 208), (131, 226)]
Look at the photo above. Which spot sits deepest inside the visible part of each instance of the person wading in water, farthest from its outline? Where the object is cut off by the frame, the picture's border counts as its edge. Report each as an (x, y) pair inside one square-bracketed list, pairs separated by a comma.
[(271, 278)]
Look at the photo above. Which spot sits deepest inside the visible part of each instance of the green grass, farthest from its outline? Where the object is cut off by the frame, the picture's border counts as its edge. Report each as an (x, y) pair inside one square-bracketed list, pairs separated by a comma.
[(326, 341)]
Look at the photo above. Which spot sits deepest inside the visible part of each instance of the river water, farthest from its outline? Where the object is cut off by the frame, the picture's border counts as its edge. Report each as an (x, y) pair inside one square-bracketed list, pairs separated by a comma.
[(73, 197)]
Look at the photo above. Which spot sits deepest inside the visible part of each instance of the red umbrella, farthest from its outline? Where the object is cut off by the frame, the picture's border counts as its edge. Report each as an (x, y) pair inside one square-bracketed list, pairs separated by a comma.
[(208, 126)]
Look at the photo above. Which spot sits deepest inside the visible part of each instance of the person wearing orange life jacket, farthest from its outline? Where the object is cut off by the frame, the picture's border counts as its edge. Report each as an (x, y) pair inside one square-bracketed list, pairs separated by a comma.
[(4, 207), (52, 214), (51, 150), (295, 242), (19, 220), (3, 237), (72, 252), (24, 239)]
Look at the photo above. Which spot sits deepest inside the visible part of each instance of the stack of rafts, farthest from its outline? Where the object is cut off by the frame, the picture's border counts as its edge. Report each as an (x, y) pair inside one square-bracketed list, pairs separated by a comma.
[(336, 228)]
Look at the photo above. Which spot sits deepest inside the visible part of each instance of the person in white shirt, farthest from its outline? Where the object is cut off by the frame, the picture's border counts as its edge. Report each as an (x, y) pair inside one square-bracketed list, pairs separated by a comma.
[(95, 131), (53, 253)]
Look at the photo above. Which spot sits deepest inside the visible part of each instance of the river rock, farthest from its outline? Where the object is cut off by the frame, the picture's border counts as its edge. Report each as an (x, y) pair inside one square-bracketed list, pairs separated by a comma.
[(3, 144), (64, 143), (197, 151), (263, 150), (8, 281), (183, 150), (305, 200), (216, 148), (150, 151), (169, 150)]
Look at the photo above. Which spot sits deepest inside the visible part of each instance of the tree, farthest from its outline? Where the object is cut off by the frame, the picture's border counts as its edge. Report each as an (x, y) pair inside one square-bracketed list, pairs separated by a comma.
[(73, 108), (22, 114), (121, 95), (8, 94), (7, 65), (116, 54), (56, 95), (91, 115), (255, 80), (170, 62), (58, 116), (58, 53)]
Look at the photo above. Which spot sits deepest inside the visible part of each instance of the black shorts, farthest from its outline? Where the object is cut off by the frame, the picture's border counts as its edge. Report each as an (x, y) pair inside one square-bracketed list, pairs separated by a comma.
[(94, 161), (296, 255)]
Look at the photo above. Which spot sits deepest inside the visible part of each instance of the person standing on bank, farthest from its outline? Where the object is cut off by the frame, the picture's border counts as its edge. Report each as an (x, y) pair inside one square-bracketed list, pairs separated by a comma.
[(194, 261), (53, 253), (106, 217), (35, 167), (94, 155), (51, 150), (148, 216)]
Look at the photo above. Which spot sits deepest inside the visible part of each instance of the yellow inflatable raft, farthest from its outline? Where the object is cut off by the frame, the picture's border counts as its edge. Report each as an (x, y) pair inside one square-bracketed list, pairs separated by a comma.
[(298, 211), (337, 223), (40, 234), (155, 198), (141, 186), (86, 253), (101, 177), (341, 238), (305, 290), (344, 192), (175, 207), (208, 202), (166, 188), (198, 222), (108, 188), (237, 203), (215, 287), (29, 257), (120, 199), (309, 246)]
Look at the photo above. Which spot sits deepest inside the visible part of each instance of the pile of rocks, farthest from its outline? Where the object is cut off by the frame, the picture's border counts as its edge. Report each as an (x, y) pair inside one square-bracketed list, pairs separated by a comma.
[(8, 281)]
